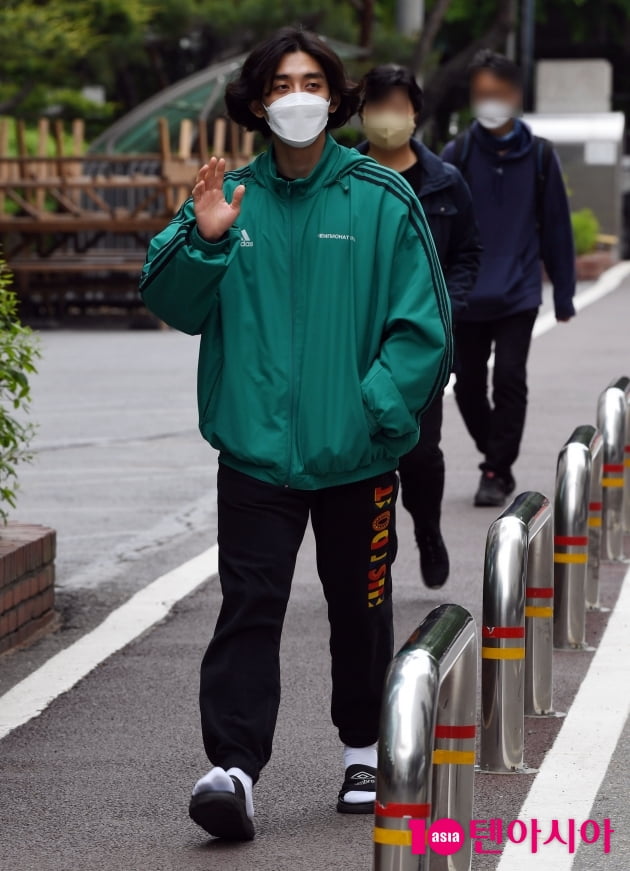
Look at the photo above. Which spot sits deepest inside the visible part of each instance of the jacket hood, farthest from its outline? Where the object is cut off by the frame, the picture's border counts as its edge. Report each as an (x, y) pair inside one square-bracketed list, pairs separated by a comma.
[(435, 175), (334, 165), (520, 146)]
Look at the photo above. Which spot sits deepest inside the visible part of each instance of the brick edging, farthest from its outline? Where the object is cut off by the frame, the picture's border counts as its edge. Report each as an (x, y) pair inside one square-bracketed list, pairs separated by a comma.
[(27, 578)]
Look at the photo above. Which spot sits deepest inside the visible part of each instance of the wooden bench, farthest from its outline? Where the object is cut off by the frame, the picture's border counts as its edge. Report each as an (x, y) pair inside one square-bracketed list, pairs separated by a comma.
[(95, 260)]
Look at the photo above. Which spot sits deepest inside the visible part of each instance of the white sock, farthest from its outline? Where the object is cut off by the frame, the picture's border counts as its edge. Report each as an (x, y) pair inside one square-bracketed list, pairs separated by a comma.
[(220, 780), (216, 780), (359, 756), (248, 786)]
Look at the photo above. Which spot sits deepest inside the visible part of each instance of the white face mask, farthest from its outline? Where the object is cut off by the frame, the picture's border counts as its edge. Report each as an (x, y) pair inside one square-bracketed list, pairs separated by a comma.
[(298, 118), (493, 114)]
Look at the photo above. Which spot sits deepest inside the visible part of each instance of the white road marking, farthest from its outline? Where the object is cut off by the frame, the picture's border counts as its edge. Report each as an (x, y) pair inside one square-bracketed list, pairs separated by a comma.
[(606, 284), (572, 771), (142, 611), (145, 608)]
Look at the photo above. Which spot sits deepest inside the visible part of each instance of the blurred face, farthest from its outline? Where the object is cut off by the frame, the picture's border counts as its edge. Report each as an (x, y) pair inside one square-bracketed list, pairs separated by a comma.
[(494, 101), (390, 121), (396, 101)]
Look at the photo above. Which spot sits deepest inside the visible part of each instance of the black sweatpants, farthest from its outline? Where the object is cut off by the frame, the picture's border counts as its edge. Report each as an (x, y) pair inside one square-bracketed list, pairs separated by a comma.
[(260, 529), (422, 474), (498, 429)]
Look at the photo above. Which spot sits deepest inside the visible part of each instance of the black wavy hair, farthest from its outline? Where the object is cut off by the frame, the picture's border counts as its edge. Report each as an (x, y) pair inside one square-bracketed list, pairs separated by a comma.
[(500, 66), (259, 69), (377, 84)]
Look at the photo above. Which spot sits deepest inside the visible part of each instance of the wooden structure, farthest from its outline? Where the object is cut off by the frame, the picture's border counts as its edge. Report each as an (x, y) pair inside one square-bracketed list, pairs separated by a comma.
[(74, 221)]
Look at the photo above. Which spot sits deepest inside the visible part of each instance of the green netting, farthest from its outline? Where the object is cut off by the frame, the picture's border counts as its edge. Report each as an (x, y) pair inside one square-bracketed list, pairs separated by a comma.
[(143, 137)]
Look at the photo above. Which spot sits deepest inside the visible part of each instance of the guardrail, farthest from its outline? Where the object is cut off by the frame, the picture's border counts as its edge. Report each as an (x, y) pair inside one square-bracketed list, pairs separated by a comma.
[(517, 647), (426, 747), (577, 519), (613, 419)]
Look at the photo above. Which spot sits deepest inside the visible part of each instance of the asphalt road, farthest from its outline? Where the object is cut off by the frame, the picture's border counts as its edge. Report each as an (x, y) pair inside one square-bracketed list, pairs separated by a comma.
[(101, 779)]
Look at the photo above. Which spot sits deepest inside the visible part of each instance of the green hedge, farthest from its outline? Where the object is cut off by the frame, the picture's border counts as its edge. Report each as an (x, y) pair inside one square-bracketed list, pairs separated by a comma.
[(585, 230)]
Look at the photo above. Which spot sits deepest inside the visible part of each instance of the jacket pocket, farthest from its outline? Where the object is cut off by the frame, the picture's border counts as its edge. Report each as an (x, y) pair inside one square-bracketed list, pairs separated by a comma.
[(334, 437), (385, 409)]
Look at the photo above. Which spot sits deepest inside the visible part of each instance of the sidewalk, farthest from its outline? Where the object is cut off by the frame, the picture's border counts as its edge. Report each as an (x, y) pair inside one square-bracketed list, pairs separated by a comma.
[(101, 779)]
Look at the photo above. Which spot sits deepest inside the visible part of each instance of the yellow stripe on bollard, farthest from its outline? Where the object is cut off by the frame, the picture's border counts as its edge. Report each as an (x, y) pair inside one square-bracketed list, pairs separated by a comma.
[(453, 757), (503, 653), (538, 611), (595, 522), (570, 558), (392, 837), (612, 482)]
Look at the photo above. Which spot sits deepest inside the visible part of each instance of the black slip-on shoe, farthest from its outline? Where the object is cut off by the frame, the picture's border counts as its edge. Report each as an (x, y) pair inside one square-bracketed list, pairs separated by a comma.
[(223, 814), (359, 778), (434, 562), (493, 491)]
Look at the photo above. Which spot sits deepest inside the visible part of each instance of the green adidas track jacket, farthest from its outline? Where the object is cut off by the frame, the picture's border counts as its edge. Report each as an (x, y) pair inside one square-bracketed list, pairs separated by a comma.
[(324, 320)]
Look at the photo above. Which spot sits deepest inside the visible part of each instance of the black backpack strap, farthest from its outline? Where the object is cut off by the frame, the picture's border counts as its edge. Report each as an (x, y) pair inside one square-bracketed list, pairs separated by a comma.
[(544, 156), (461, 151)]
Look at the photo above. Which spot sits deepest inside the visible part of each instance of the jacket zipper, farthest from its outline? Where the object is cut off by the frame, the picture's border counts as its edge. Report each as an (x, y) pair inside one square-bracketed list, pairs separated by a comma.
[(291, 426)]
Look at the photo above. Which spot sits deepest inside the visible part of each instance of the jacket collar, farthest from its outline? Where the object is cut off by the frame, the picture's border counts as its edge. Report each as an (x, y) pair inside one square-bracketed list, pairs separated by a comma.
[(435, 176), (334, 164), (519, 147)]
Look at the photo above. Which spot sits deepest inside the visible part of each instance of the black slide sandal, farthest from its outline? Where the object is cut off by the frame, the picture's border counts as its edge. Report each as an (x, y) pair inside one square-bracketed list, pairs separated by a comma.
[(223, 814), (359, 778)]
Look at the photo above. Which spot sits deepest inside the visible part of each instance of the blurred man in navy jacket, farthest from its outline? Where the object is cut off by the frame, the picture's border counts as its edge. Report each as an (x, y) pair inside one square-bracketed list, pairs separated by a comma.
[(523, 215)]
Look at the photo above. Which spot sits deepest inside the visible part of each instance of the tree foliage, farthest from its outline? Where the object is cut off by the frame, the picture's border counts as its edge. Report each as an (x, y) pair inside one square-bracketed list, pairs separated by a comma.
[(136, 47), (19, 351)]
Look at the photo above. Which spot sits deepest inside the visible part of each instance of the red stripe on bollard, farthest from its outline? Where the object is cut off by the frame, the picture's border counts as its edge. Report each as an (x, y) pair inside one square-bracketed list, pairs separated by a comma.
[(396, 810), (613, 467), (595, 506), (539, 592), (503, 632), (455, 731), (571, 540)]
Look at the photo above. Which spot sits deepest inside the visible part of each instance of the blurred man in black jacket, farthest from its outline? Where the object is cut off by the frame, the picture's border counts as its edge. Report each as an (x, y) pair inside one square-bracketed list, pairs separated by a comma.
[(391, 104)]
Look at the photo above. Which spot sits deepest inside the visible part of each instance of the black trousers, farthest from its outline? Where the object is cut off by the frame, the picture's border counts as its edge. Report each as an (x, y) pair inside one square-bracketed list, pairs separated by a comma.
[(422, 475), (260, 529), (497, 429)]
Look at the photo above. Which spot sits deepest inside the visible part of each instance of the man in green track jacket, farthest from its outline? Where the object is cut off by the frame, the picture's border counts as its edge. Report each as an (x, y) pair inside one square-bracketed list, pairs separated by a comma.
[(325, 333)]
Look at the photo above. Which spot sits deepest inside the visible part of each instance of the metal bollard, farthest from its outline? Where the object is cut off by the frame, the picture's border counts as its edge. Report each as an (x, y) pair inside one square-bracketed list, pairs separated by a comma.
[(517, 649), (426, 750), (613, 421), (624, 384), (571, 536), (595, 527)]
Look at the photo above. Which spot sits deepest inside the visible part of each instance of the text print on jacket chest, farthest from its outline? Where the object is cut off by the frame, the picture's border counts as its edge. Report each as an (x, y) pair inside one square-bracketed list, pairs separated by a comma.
[(337, 237)]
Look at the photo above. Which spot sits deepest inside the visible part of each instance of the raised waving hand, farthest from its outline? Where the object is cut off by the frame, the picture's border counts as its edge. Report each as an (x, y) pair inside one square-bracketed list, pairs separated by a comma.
[(214, 214)]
